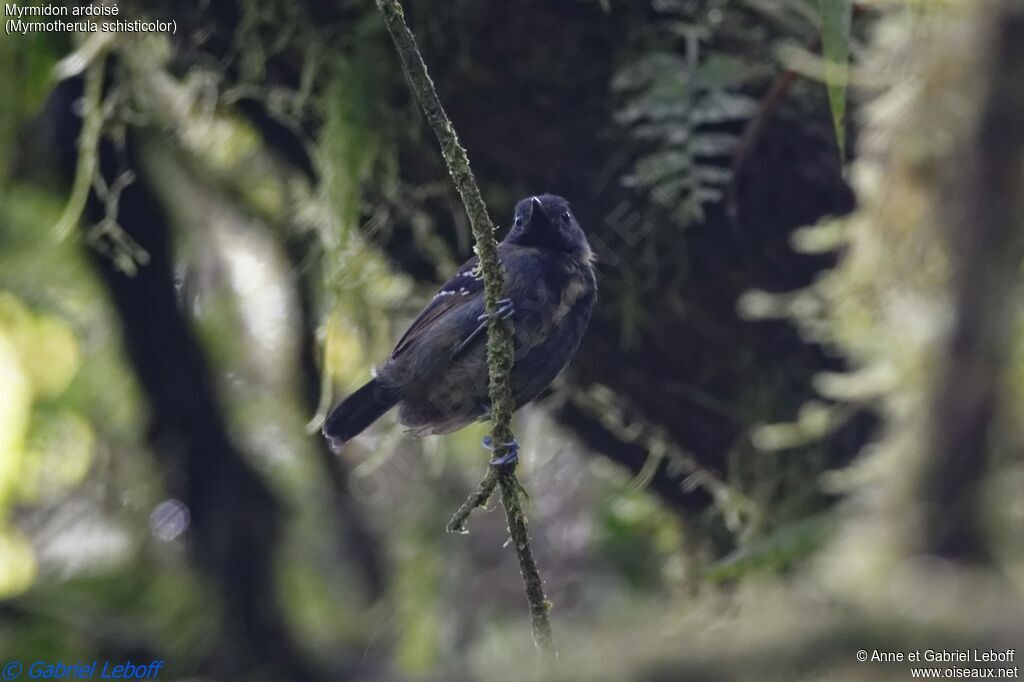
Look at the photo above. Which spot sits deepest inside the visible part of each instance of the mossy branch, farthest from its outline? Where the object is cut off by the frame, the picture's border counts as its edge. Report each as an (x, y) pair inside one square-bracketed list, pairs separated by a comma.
[(478, 498), (88, 148), (500, 349)]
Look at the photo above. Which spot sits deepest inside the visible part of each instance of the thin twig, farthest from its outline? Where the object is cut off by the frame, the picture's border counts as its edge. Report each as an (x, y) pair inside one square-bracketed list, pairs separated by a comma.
[(88, 148), (477, 499), (500, 350)]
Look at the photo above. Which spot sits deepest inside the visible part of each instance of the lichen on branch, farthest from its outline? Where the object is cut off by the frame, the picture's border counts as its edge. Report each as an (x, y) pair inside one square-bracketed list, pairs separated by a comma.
[(500, 349)]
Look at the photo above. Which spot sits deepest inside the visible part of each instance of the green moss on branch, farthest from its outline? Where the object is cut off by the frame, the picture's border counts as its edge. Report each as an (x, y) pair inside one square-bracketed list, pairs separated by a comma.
[(500, 349)]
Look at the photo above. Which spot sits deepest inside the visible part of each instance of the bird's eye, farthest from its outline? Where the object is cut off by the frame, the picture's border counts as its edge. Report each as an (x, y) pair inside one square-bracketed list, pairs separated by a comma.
[(566, 216), (519, 221)]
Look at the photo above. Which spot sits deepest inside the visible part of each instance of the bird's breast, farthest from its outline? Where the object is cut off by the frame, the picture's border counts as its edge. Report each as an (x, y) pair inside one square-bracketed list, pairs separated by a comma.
[(577, 287)]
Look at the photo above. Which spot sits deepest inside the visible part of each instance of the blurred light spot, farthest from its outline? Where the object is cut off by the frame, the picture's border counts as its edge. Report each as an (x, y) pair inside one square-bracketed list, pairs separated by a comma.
[(264, 303), (17, 563), (344, 352), (46, 346), (15, 405), (58, 455), (169, 519), (78, 537), (365, 488), (54, 359)]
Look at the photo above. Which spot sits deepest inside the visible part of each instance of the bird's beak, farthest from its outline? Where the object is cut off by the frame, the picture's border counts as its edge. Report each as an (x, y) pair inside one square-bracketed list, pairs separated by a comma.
[(538, 218)]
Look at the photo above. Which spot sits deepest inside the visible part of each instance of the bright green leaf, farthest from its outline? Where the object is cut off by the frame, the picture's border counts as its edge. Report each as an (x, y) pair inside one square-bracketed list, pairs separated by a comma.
[(836, 18)]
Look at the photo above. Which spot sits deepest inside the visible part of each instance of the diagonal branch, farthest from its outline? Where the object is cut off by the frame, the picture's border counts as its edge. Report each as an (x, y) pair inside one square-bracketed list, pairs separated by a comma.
[(500, 350)]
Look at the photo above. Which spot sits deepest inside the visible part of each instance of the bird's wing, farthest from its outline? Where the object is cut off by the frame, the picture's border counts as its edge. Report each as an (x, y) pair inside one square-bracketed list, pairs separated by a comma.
[(464, 289)]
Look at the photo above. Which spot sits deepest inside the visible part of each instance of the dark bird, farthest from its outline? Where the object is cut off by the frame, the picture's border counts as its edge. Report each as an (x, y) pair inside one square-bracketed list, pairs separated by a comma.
[(437, 372)]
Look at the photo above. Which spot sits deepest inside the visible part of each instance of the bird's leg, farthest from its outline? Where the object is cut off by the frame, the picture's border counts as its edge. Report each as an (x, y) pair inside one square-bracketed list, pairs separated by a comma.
[(505, 310), (511, 455)]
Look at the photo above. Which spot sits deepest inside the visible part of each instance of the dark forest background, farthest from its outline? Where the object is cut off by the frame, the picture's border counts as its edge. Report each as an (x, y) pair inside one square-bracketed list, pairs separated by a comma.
[(791, 431)]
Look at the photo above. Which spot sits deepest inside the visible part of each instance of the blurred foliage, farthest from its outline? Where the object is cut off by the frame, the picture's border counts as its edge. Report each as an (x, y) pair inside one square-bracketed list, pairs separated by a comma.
[(45, 446), (639, 538), (677, 117), (694, 89), (28, 65), (679, 104), (688, 95), (887, 306), (776, 552)]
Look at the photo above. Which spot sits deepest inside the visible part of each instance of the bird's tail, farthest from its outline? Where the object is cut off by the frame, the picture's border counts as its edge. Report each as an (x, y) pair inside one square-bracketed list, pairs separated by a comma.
[(358, 411)]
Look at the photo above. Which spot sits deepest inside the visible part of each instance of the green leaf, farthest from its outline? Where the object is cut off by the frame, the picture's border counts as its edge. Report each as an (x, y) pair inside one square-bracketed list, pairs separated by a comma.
[(836, 18), (777, 551), (670, 106)]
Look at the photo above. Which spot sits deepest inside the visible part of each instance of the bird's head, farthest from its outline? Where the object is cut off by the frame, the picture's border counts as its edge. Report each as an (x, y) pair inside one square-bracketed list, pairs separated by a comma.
[(546, 221)]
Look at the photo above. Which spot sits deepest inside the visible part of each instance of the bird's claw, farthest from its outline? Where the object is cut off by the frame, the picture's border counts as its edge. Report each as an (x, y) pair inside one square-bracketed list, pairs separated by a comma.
[(505, 310), (511, 455)]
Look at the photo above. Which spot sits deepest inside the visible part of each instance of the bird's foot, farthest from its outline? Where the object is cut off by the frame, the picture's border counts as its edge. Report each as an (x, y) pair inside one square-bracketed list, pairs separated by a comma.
[(505, 310), (511, 455)]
